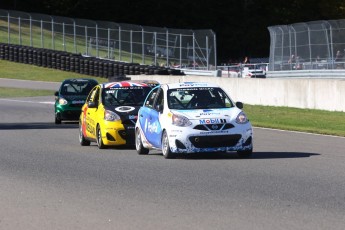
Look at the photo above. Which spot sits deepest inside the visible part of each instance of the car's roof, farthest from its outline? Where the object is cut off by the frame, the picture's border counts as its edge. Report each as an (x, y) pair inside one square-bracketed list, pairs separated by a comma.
[(191, 85), (121, 84)]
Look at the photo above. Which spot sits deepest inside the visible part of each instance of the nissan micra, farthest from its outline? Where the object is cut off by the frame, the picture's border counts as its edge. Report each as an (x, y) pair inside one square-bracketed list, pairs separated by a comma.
[(110, 112), (192, 117)]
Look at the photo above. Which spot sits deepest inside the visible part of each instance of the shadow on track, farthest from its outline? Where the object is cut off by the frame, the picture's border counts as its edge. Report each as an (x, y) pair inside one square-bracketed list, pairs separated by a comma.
[(38, 125), (234, 156)]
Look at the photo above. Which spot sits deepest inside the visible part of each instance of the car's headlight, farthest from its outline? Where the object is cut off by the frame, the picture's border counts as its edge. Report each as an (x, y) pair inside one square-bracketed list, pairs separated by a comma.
[(180, 120), (241, 118), (111, 116), (62, 101)]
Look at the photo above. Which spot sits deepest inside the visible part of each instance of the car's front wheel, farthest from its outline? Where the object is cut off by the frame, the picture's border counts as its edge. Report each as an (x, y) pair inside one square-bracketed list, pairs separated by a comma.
[(166, 147), (99, 138), (82, 140), (141, 150), (57, 119)]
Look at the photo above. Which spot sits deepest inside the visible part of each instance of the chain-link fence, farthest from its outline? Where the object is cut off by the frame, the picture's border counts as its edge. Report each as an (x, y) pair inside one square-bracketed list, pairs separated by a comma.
[(306, 46), (115, 41)]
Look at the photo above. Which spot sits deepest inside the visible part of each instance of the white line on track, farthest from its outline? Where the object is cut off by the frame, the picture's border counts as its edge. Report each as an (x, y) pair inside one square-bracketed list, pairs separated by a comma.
[(290, 131), (24, 101)]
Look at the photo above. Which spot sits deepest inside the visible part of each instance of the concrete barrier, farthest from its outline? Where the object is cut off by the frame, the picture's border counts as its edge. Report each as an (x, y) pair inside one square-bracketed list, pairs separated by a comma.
[(309, 93)]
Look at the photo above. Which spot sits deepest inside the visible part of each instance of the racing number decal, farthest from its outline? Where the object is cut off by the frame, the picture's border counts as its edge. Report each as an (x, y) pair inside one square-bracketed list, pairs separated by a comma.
[(84, 121)]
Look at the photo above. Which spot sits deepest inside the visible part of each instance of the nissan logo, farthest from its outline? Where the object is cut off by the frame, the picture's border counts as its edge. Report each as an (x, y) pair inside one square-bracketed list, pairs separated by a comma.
[(214, 127), (196, 139)]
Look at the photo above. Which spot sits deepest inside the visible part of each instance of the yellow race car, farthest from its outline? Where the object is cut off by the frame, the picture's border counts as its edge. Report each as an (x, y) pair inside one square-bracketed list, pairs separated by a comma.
[(110, 112)]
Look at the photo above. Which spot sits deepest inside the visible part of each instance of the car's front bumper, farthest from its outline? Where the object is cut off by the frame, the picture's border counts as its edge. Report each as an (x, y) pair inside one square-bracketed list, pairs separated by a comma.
[(239, 138), (117, 134)]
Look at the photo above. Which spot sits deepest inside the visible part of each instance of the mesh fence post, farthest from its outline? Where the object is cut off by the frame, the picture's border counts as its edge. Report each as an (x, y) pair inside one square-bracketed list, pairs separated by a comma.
[(8, 29), (74, 37), (19, 31), (42, 45), (119, 43), (207, 55), (53, 33), (108, 43), (142, 46), (30, 29), (167, 47), (131, 44)]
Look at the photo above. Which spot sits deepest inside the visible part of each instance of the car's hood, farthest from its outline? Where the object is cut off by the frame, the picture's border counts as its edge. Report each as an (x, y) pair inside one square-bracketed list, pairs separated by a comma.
[(224, 113)]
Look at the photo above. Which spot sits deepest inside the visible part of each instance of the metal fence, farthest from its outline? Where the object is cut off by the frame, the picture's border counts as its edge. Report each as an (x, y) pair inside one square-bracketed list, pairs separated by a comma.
[(110, 40), (306, 46)]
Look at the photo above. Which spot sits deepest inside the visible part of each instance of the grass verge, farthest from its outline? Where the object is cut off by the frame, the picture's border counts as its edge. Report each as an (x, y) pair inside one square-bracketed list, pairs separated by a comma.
[(304, 120), (13, 70), (15, 92)]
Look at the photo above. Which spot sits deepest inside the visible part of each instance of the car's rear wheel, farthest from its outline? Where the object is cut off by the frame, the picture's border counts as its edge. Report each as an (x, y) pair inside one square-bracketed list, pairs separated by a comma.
[(139, 144), (99, 138), (245, 154), (57, 119), (166, 147), (82, 140)]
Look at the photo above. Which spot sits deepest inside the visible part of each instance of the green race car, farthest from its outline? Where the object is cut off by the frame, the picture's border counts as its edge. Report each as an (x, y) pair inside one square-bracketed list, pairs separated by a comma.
[(71, 97)]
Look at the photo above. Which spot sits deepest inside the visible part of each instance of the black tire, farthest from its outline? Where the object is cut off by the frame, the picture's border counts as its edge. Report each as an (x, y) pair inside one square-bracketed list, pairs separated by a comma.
[(245, 154), (141, 150), (82, 140), (99, 138), (165, 146), (57, 119)]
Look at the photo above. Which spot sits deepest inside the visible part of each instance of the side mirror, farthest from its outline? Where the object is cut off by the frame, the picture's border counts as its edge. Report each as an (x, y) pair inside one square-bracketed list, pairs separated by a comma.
[(56, 93), (92, 104), (239, 105)]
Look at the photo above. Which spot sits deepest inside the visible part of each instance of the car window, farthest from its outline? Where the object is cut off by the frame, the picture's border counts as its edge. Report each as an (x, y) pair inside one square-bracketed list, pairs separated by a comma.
[(198, 98), (93, 95), (77, 87), (150, 99), (159, 99), (119, 96)]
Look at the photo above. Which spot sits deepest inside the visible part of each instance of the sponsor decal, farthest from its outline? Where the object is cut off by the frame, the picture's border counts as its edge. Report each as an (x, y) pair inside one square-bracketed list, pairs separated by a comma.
[(213, 132), (133, 117), (212, 121), (151, 127), (124, 109)]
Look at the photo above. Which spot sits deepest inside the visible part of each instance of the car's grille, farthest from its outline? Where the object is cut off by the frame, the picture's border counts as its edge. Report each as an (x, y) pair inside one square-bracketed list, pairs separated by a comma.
[(129, 121), (215, 141), (210, 127), (76, 105), (128, 134)]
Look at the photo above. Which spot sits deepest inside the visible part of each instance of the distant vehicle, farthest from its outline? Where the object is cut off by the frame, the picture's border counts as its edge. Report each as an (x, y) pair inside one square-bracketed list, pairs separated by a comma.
[(110, 112), (71, 97), (192, 117), (245, 71), (254, 71)]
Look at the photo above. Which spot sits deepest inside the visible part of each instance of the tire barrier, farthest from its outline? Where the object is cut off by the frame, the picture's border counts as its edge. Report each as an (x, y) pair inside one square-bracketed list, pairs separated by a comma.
[(77, 63)]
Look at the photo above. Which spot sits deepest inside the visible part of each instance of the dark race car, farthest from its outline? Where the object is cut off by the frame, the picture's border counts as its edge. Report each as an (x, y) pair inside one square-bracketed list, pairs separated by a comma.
[(71, 97)]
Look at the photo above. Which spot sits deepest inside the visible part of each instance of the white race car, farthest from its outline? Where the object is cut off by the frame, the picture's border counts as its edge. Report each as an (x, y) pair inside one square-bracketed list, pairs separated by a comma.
[(192, 117)]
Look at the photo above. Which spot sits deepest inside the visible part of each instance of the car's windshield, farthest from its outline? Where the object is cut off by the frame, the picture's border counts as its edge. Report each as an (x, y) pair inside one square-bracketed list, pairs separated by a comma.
[(77, 87), (198, 98), (134, 96)]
